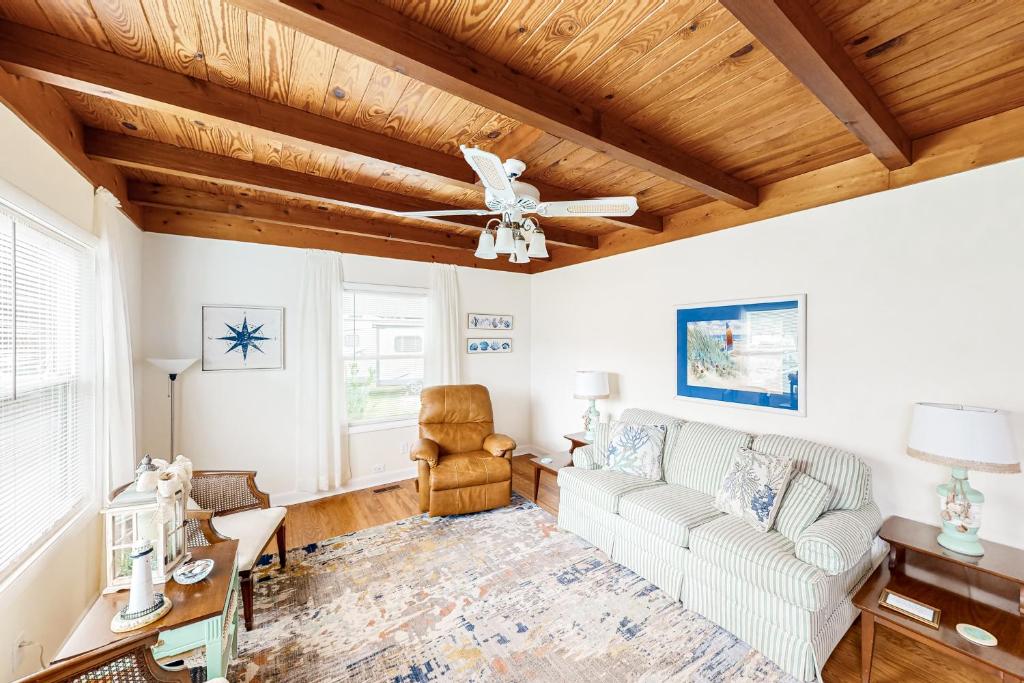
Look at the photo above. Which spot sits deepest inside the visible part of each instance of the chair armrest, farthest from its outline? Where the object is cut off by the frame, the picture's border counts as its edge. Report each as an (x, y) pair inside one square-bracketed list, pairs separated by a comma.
[(202, 520), (425, 450), (585, 458), (227, 491), (130, 658), (839, 538), (499, 444)]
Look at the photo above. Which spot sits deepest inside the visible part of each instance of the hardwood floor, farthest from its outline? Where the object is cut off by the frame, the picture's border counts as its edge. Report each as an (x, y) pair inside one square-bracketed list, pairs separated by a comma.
[(897, 658)]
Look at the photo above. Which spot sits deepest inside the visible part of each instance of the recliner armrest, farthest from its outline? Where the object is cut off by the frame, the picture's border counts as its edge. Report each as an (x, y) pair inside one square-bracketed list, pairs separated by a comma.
[(499, 444), (839, 538), (425, 450)]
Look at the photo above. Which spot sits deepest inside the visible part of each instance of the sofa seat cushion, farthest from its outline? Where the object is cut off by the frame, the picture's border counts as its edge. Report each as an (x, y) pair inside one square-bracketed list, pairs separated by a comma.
[(670, 512), (602, 488), (765, 560), (474, 468), (252, 529)]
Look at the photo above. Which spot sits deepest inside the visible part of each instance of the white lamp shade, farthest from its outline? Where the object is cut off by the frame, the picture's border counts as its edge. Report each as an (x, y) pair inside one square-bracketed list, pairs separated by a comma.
[(504, 244), (591, 384), (968, 437), (172, 366), (520, 255), (538, 246), (485, 249)]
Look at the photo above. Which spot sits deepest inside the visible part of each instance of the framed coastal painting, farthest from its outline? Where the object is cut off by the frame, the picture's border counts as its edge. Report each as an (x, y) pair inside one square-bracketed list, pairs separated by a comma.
[(749, 353), (243, 338), (488, 321), (501, 345)]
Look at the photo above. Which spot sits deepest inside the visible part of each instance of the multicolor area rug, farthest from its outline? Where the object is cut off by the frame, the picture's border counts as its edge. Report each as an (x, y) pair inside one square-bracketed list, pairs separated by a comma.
[(494, 596)]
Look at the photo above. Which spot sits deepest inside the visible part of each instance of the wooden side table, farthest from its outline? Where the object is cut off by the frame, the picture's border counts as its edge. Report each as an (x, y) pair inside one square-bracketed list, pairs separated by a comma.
[(558, 461), (577, 439), (205, 614), (1002, 566)]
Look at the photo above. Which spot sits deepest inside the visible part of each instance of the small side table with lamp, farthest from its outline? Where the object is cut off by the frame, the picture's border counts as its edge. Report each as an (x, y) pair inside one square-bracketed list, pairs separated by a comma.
[(590, 386)]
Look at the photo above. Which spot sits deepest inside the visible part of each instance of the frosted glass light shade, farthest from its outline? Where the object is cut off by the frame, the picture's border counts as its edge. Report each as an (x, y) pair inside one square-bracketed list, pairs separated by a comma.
[(538, 246), (967, 437), (172, 366), (485, 248), (520, 255), (505, 244), (591, 384)]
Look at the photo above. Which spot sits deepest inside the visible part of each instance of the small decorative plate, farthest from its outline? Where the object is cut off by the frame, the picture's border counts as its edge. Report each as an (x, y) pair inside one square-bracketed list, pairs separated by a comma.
[(193, 572), (546, 460), (977, 635)]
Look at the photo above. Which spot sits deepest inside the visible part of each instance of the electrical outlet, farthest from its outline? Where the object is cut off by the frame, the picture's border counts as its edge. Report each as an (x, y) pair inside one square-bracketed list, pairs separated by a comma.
[(377, 469)]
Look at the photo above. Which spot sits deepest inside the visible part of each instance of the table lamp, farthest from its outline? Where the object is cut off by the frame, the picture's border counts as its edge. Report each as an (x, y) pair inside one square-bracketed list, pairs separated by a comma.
[(591, 385), (173, 367), (963, 438)]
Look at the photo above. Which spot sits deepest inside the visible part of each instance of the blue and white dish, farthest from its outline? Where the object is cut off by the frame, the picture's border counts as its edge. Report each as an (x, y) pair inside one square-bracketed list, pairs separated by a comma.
[(193, 572)]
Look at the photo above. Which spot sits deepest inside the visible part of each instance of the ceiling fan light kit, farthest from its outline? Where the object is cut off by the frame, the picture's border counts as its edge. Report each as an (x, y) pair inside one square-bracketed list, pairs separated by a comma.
[(507, 196)]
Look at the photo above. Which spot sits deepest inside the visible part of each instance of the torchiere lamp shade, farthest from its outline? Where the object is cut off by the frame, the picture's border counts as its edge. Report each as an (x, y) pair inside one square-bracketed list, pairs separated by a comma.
[(967, 437)]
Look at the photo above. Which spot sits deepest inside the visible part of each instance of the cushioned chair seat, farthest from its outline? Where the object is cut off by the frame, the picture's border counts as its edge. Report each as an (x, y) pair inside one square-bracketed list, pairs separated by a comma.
[(670, 512), (602, 488), (252, 529), (460, 470)]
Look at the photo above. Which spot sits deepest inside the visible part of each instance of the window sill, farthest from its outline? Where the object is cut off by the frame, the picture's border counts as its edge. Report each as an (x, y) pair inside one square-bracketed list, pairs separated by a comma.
[(382, 426)]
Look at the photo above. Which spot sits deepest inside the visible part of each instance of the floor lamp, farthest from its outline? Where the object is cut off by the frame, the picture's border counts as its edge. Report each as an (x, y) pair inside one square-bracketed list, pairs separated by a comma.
[(173, 367)]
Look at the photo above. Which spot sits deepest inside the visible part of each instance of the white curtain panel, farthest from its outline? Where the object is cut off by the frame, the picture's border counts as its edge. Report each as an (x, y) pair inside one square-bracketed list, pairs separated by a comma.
[(323, 459), (443, 352), (115, 395)]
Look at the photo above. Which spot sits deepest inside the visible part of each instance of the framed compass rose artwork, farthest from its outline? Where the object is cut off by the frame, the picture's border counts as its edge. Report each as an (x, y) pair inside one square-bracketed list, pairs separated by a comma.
[(243, 338)]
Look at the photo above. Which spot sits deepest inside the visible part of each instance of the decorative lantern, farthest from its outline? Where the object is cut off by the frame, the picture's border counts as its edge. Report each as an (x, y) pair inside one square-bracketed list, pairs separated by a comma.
[(134, 516)]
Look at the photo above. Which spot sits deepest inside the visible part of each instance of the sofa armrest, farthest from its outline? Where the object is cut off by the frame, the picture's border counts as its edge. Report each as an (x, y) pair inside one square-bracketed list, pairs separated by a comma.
[(839, 538), (425, 450), (585, 458), (499, 444)]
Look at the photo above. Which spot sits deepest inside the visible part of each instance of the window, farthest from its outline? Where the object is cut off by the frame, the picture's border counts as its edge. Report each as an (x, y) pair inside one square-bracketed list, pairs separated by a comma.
[(383, 346), (45, 408)]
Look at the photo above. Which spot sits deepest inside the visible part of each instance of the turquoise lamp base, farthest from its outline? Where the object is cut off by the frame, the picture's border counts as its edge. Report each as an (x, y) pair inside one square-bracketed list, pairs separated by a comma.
[(960, 507), (590, 420)]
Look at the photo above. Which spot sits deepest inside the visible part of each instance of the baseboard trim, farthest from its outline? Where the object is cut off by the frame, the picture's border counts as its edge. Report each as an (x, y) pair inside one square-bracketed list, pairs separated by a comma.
[(354, 484)]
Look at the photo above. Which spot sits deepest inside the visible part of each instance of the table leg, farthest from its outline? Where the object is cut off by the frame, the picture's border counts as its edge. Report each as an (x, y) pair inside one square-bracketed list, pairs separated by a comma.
[(536, 483), (215, 664), (867, 645), (896, 556)]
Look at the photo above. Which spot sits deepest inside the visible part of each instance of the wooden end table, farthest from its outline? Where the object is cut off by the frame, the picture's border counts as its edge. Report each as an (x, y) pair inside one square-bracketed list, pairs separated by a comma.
[(204, 614), (558, 461), (1004, 567), (577, 439)]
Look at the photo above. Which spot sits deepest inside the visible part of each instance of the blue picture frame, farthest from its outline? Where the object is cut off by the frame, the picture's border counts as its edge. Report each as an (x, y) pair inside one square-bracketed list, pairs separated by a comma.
[(749, 353)]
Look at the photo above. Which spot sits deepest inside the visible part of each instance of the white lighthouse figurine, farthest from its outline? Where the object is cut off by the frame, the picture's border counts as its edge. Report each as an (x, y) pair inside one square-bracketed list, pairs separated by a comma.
[(144, 605)]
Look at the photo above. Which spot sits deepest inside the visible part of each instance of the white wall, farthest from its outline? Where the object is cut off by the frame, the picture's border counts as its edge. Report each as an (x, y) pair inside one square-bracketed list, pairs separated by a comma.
[(47, 597), (912, 295), (245, 419)]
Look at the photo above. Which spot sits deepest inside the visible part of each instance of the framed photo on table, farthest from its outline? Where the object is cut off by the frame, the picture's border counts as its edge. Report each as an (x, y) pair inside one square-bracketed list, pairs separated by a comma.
[(748, 353)]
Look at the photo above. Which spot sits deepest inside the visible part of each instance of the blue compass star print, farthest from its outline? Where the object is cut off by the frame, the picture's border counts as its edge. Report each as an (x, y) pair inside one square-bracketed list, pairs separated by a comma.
[(243, 338)]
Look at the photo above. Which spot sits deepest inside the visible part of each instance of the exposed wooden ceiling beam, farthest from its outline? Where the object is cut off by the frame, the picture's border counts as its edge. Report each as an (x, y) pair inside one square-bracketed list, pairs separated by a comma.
[(171, 197), (134, 152), (794, 33), (224, 227), (387, 37), (75, 66)]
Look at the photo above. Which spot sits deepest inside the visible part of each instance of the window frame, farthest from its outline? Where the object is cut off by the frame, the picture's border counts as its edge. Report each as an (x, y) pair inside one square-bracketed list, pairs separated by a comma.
[(384, 423), (17, 201)]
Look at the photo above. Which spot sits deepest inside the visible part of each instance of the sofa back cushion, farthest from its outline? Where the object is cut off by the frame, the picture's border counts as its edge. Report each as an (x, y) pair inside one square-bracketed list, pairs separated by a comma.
[(697, 454), (845, 473), (635, 416)]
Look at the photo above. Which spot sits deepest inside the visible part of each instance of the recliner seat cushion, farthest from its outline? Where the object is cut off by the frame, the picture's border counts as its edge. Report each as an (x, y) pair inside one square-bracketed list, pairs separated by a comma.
[(670, 512), (459, 470), (601, 488)]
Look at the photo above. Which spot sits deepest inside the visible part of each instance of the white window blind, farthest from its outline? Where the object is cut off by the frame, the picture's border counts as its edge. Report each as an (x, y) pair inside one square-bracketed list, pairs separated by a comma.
[(45, 406), (383, 346)]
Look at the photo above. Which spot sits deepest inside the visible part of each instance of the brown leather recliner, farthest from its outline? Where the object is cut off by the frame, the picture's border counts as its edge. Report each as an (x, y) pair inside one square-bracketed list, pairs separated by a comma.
[(463, 465)]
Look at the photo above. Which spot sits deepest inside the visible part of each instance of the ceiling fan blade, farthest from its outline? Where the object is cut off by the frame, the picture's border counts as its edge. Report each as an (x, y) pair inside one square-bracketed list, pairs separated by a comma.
[(448, 212), (492, 174), (598, 206)]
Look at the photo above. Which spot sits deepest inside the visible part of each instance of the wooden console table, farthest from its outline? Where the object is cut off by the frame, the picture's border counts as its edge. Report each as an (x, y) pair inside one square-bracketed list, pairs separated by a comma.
[(204, 614), (1002, 565)]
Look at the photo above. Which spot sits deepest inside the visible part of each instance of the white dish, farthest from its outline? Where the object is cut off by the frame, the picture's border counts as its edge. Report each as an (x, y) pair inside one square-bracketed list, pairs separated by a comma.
[(193, 572)]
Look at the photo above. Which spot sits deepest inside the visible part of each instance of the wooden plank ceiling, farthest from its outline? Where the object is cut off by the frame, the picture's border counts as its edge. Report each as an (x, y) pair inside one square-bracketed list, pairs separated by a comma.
[(700, 94)]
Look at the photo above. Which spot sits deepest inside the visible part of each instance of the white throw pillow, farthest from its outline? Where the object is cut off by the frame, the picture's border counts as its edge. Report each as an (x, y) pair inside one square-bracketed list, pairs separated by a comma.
[(753, 487), (636, 449)]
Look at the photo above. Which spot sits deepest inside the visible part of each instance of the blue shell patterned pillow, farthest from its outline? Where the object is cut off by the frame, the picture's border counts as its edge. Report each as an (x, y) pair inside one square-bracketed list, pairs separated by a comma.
[(753, 487), (636, 449)]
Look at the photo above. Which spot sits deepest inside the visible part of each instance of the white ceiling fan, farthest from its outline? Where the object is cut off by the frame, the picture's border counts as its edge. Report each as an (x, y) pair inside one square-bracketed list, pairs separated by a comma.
[(507, 196)]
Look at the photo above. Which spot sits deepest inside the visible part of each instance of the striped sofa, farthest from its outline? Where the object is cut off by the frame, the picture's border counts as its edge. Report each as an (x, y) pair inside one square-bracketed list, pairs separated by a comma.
[(790, 600)]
